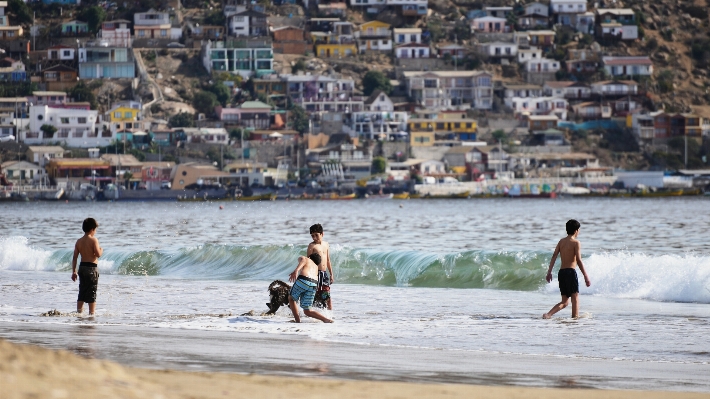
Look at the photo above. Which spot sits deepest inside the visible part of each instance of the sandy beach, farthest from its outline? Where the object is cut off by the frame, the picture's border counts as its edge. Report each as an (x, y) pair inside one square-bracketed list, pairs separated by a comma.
[(28, 371)]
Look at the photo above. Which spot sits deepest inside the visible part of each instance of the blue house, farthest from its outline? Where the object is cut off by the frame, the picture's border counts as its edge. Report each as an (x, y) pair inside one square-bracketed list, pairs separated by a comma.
[(74, 28), (12, 71)]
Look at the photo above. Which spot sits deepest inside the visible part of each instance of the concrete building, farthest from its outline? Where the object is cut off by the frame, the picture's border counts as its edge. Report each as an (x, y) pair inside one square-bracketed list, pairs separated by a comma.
[(116, 33), (75, 127), (450, 89), (97, 61), (243, 57)]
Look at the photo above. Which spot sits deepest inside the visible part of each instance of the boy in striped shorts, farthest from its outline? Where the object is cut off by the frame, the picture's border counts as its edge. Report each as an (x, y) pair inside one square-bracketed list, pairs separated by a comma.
[(305, 283)]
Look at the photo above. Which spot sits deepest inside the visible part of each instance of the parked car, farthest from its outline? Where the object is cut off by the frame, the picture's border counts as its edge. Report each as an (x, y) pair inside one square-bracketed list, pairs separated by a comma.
[(176, 45), (166, 185)]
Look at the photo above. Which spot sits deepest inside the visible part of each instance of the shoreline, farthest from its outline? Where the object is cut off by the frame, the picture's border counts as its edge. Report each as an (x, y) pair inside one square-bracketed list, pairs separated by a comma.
[(288, 355), (30, 371)]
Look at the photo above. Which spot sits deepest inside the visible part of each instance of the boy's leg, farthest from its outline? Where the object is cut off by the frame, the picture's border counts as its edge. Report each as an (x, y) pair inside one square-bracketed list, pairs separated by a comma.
[(557, 308), (575, 305), (316, 315), (80, 306), (92, 308), (294, 309), (330, 304)]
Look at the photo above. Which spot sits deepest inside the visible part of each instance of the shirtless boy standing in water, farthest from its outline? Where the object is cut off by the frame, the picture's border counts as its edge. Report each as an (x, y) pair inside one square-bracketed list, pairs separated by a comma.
[(88, 247), (570, 250), (325, 269)]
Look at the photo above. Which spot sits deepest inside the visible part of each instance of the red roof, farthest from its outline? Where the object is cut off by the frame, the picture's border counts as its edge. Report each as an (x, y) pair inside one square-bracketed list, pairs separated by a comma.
[(627, 61)]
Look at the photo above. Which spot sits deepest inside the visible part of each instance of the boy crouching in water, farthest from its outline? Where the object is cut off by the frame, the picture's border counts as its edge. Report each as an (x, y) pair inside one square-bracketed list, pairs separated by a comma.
[(570, 251), (305, 283), (90, 250)]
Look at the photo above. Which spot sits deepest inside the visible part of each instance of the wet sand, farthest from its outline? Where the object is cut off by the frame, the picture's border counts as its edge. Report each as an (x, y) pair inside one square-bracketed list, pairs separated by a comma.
[(29, 371), (217, 358)]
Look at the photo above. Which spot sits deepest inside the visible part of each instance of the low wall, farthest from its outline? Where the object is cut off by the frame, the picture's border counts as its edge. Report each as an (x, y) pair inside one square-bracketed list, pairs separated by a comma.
[(486, 186)]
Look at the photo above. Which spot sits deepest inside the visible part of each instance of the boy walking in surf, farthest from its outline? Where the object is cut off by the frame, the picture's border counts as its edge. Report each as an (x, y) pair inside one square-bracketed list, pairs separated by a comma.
[(570, 251), (90, 250), (325, 269)]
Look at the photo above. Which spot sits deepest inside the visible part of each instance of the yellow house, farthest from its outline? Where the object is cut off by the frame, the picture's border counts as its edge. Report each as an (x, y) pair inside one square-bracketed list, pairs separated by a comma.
[(125, 116), (337, 42), (374, 36), (462, 129)]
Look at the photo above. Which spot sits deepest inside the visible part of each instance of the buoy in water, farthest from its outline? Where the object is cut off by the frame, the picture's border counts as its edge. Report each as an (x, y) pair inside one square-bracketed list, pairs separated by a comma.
[(221, 207)]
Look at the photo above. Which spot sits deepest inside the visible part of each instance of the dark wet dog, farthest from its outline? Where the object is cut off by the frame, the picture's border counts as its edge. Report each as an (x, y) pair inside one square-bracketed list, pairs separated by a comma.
[(279, 292)]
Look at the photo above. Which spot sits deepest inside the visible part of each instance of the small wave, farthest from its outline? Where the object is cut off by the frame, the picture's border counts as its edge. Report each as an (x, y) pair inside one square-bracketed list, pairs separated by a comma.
[(680, 278)]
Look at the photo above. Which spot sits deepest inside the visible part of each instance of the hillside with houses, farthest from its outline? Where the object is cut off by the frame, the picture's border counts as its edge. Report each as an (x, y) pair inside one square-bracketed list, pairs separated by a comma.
[(361, 97)]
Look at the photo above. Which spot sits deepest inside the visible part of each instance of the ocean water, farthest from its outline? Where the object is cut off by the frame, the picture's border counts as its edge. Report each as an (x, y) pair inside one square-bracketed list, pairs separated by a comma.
[(451, 275)]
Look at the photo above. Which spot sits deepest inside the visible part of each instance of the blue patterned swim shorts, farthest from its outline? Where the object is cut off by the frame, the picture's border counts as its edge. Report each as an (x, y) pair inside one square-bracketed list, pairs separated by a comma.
[(304, 289)]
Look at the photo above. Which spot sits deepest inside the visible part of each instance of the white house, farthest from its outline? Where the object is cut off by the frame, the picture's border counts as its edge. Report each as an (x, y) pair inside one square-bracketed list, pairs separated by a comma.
[(520, 91), (544, 65), (413, 50), (567, 89), (498, 49), (75, 127), (379, 118), (615, 88), (623, 66), (537, 8), (566, 11), (22, 171), (539, 106), (525, 55), (207, 135), (407, 35), (585, 22), (61, 53)]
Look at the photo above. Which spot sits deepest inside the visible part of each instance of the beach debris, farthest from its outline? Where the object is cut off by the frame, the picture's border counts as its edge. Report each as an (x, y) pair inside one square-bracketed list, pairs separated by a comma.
[(52, 313), (249, 313)]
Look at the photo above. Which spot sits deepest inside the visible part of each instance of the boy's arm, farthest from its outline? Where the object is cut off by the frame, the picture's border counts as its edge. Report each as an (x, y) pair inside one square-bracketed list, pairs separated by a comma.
[(578, 256), (552, 263), (98, 251), (309, 251), (302, 260), (73, 262), (328, 264)]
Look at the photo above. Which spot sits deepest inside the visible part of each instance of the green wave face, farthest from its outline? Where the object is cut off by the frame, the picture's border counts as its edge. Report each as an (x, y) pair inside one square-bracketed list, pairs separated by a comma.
[(470, 269)]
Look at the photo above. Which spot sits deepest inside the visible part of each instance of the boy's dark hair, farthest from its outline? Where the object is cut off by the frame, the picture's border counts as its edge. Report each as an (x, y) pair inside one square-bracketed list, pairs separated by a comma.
[(317, 228), (89, 224), (572, 226), (315, 258)]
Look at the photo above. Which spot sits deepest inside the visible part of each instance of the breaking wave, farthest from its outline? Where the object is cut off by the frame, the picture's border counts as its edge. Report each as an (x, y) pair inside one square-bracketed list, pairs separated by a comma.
[(681, 278)]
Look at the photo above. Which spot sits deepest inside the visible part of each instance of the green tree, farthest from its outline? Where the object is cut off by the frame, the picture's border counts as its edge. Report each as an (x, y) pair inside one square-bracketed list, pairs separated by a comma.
[(216, 17), (239, 134), (300, 65), (22, 12), (299, 119), (183, 119), (94, 16), (48, 130), (221, 91), (379, 165), (376, 80), (81, 92), (204, 102), (499, 136)]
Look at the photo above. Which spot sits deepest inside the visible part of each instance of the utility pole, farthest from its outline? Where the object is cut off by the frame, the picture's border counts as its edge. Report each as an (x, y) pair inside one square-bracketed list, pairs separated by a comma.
[(686, 149), (221, 157)]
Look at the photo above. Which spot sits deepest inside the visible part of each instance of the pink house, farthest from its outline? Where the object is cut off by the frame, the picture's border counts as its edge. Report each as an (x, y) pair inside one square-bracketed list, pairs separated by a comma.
[(254, 114), (490, 25)]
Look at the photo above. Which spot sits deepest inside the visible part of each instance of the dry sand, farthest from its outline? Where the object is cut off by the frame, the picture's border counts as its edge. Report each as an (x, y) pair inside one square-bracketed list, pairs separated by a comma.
[(34, 372)]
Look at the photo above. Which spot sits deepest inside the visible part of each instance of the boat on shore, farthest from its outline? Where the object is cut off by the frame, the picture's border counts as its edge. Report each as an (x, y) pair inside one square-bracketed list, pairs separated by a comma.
[(463, 195), (261, 197), (401, 196), (379, 196), (336, 197)]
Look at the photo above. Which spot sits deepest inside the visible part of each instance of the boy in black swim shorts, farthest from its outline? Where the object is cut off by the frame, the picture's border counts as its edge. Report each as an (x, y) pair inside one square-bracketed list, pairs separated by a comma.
[(570, 251), (90, 250)]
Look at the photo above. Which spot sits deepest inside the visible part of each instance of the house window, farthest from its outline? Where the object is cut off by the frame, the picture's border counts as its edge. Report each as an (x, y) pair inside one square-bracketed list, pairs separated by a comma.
[(128, 115), (400, 39), (163, 32), (82, 120), (64, 120), (116, 114), (385, 42), (141, 33)]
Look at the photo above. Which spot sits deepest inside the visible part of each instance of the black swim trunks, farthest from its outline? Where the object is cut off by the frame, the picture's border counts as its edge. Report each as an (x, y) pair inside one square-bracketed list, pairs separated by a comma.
[(568, 281), (323, 285), (88, 282)]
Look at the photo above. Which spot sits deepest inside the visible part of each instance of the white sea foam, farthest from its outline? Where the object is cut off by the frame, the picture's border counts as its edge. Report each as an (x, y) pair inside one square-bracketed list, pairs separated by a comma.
[(17, 254), (678, 278)]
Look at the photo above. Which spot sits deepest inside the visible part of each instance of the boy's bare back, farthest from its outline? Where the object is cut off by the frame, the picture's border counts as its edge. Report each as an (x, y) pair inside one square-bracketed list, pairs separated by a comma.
[(569, 249), (89, 249)]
